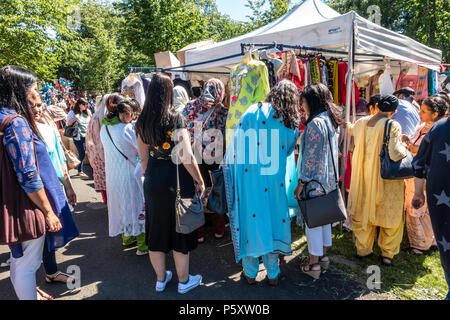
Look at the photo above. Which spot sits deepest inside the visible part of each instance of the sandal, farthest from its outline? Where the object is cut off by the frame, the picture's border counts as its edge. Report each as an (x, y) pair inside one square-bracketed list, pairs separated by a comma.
[(387, 264), (52, 279), (250, 281), (312, 273), (418, 252), (41, 295), (325, 265), (218, 237), (201, 240)]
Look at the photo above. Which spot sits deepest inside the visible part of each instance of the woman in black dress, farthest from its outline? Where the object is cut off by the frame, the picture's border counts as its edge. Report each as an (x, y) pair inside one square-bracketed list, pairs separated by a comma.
[(154, 130)]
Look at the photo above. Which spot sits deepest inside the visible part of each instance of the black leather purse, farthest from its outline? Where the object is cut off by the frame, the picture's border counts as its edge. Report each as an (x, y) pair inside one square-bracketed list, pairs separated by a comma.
[(324, 209), (217, 200), (391, 170)]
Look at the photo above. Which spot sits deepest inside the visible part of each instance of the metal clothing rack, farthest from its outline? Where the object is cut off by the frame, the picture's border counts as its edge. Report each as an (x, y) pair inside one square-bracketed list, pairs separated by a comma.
[(282, 47)]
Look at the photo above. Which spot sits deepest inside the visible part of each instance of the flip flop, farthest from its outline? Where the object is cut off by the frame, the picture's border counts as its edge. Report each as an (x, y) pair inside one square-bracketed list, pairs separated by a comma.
[(43, 295)]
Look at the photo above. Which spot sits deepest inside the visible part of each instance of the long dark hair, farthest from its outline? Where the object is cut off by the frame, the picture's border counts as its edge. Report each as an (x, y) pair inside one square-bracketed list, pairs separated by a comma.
[(76, 108), (158, 115), (285, 100), (319, 100), (15, 84)]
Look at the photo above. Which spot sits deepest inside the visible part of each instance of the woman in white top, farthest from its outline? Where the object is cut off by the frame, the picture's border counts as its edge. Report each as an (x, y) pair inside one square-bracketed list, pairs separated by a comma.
[(125, 199), (82, 116)]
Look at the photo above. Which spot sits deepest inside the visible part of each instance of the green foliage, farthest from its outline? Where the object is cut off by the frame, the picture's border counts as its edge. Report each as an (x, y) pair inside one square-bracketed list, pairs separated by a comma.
[(261, 16), (93, 58), (160, 25), (425, 21), (26, 28)]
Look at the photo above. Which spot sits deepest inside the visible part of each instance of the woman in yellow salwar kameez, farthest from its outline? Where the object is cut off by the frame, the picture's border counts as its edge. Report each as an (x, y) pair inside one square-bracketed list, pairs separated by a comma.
[(374, 202)]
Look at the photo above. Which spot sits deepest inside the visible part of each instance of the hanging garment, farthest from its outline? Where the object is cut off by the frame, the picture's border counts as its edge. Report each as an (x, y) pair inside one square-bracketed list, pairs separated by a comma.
[(422, 84), (249, 85), (342, 76), (315, 70), (292, 69), (333, 80), (133, 88), (324, 72), (374, 87)]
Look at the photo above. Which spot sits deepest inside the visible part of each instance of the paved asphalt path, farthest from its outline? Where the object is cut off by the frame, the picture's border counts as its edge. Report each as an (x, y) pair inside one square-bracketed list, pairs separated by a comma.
[(110, 271)]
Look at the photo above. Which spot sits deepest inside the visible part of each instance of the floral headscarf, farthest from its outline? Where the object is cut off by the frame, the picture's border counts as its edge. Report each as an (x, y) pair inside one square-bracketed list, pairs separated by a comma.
[(208, 109)]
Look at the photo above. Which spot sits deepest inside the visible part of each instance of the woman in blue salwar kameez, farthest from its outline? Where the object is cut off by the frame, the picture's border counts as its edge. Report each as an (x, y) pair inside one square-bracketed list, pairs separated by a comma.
[(256, 183)]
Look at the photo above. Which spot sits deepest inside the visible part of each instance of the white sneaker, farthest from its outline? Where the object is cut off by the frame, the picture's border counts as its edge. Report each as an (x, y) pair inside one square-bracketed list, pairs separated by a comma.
[(161, 286), (194, 282), (141, 253)]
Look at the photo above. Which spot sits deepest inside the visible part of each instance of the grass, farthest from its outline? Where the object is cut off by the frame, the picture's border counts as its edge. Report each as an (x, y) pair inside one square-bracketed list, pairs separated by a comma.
[(411, 277)]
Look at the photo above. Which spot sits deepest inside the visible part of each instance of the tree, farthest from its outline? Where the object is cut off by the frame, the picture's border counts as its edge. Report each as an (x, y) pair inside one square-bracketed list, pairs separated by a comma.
[(160, 25), (26, 32), (260, 16), (427, 21), (93, 59)]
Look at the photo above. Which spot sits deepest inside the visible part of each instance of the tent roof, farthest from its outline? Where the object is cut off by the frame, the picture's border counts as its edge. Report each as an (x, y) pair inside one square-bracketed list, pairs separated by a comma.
[(314, 24)]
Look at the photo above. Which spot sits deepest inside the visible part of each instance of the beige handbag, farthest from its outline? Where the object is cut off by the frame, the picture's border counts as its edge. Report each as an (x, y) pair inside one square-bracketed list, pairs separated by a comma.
[(72, 159)]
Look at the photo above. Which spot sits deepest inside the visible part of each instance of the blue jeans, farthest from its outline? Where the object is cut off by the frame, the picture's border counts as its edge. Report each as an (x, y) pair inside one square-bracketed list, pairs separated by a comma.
[(81, 148), (251, 266), (49, 260)]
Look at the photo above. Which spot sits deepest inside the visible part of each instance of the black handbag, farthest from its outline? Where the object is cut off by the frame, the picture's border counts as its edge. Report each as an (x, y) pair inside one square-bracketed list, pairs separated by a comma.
[(189, 212), (72, 130), (324, 209), (217, 200), (391, 170)]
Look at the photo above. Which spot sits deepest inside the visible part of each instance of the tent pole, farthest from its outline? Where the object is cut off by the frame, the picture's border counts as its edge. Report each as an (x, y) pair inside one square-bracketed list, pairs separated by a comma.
[(351, 56)]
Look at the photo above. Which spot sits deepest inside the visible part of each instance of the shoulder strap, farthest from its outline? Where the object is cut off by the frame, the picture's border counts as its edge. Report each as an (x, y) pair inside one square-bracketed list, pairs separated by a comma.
[(387, 132), (331, 151), (109, 134), (178, 172), (6, 121)]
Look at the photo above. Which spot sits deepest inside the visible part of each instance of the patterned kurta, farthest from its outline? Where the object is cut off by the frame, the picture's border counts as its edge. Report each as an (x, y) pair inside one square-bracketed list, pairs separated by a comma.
[(249, 85), (95, 150)]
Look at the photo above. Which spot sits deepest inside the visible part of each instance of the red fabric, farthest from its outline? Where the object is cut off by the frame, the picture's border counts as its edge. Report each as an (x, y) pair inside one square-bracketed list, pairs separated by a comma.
[(104, 196), (342, 71)]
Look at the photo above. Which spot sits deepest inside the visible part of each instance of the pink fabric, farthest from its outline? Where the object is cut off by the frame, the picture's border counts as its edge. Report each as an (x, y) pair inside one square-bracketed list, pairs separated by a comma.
[(96, 154)]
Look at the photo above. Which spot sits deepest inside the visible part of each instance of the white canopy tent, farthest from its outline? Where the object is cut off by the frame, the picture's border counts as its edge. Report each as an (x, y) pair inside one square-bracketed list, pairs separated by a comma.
[(314, 24)]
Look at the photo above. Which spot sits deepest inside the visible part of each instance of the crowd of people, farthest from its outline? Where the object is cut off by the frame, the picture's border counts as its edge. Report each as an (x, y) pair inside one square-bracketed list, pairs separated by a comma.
[(143, 155)]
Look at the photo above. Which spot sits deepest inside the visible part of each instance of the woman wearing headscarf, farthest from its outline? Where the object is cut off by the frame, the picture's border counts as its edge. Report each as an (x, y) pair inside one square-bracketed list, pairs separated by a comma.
[(180, 98), (205, 118)]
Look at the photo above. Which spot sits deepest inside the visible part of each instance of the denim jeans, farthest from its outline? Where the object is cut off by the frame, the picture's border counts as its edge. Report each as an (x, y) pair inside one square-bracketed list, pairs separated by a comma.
[(251, 266), (81, 148)]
